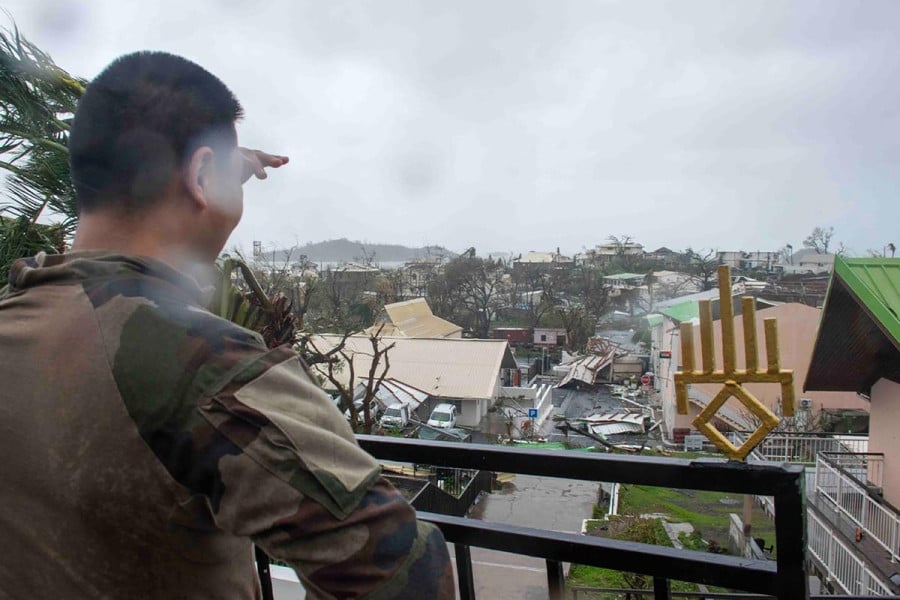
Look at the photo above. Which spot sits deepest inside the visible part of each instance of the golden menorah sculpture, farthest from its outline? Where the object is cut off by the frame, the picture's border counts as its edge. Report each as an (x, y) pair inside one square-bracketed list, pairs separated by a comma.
[(732, 378)]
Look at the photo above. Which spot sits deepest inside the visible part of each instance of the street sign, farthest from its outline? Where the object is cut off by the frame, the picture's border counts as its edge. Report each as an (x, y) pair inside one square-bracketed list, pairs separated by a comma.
[(665, 354), (645, 379), (532, 413)]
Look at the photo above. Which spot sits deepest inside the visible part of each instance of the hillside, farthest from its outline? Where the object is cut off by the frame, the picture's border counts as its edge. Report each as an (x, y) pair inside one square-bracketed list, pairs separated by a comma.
[(344, 250)]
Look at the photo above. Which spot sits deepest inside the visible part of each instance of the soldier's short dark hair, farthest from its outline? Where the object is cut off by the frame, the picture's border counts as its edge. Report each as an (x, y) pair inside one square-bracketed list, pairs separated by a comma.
[(137, 123)]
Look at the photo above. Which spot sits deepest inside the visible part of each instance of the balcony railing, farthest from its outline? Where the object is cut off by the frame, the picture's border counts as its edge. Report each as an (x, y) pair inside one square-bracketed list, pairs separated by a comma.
[(784, 579), (802, 448), (846, 571), (848, 482)]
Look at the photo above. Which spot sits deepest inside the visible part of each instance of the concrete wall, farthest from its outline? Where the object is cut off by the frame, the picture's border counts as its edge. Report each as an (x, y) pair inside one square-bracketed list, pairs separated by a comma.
[(471, 413), (626, 367), (797, 325), (528, 393), (554, 337), (884, 434), (669, 340)]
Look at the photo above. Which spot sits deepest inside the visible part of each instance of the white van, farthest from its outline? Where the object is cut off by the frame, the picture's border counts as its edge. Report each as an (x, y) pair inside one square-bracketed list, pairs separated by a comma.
[(443, 416)]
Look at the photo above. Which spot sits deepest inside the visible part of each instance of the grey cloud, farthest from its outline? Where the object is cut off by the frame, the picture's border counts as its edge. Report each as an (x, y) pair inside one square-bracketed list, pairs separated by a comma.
[(523, 125)]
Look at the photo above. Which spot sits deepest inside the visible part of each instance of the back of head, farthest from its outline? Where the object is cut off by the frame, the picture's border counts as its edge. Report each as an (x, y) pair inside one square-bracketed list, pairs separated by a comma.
[(138, 122)]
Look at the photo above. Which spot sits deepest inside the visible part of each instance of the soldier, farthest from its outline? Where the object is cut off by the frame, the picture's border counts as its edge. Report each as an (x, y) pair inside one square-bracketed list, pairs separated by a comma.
[(147, 444)]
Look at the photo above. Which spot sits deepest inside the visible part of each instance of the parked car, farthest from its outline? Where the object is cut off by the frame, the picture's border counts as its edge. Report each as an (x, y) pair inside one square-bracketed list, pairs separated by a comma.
[(443, 416), (396, 415), (374, 410)]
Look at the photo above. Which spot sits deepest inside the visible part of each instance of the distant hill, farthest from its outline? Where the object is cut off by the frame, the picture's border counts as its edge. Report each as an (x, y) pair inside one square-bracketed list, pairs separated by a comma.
[(344, 250)]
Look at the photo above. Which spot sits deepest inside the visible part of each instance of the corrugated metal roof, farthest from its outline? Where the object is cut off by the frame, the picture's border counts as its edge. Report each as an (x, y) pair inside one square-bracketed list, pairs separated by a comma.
[(413, 318), (705, 295), (876, 282), (654, 320), (392, 391), (585, 369), (624, 276), (682, 312), (441, 367), (615, 428), (858, 341)]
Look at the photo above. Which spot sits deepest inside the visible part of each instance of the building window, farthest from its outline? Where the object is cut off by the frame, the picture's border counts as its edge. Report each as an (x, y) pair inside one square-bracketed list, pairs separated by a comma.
[(543, 337)]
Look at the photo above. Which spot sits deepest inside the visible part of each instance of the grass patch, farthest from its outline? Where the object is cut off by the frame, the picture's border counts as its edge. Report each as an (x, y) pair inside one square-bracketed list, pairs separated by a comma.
[(647, 531), (702, 509)]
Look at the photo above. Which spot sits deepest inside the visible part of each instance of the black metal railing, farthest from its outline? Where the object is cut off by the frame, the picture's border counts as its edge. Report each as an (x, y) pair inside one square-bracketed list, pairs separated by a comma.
[(431, 498), (784, 579)]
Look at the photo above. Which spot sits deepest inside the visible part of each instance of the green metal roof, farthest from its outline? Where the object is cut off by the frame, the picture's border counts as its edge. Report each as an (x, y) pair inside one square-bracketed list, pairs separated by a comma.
[(654, 320), (858, 341), (876, 283), (682, 312)]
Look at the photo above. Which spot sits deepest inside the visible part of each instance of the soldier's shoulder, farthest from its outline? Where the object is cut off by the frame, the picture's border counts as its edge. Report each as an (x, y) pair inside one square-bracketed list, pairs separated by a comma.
[(161, 345), (144, 306)]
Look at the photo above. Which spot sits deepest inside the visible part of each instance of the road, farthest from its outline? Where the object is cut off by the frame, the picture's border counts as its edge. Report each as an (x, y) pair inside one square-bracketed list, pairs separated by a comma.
[(540, 502)]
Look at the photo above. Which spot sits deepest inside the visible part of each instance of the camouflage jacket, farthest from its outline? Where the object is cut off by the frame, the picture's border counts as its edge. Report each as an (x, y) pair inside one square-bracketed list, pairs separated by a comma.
[(147, 444)]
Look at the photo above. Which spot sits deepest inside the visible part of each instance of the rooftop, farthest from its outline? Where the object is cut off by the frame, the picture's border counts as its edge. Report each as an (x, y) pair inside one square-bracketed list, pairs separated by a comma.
[(683, 312), (858, 341), (413, 318), (441, 367)]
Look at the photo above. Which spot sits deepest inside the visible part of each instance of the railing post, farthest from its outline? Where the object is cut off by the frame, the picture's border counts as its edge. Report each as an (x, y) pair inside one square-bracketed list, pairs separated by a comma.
[(790, 538), (555, 580), (464, 574), (839, 499), (662, 589), (865, 511), (829, 542), (265, 574), (894, 540)]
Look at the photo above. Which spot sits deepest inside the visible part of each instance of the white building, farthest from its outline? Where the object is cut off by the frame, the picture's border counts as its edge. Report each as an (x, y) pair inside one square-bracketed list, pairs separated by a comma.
[(470, 373)]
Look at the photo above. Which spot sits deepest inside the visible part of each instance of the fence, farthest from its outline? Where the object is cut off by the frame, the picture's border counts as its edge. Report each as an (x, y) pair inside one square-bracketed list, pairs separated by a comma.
[(842, 479), (786, 578), (840, 564), (432, 498)]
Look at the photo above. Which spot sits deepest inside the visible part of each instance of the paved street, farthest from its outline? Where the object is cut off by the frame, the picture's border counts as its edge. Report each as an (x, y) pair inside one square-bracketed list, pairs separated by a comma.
[(541, 502)]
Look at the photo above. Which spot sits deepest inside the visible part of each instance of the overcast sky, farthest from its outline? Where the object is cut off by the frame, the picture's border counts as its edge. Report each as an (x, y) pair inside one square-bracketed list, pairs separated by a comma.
[(515, 125)]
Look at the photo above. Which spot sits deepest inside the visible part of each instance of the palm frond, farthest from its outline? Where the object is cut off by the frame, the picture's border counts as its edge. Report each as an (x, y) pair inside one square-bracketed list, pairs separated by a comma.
[(37, 101)]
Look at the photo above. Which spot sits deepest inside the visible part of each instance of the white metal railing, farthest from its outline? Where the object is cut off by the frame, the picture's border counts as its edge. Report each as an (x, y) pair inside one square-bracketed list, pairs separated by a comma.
[(846, 485), (802, 448), (841, 564), (844, 474)]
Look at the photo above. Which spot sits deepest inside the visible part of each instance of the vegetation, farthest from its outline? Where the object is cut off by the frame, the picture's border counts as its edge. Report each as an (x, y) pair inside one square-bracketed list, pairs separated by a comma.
[(647, 531), (702, 509), (819, 240), (37, 100)]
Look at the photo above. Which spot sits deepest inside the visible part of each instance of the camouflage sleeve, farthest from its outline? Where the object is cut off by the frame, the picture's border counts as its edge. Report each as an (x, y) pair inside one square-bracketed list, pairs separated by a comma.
[(295, 481), (246, 429)]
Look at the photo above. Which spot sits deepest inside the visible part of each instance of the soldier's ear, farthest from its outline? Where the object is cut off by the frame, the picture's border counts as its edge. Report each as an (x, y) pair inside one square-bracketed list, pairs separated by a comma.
[(198, 176)]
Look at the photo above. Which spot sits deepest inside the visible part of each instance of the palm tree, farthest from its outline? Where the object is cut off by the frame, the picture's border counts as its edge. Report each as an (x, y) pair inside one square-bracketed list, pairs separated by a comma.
[(37, 101)]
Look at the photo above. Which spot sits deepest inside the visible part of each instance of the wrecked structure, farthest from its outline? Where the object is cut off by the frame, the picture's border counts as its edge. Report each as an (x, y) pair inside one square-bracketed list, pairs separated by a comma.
[(605, 362)]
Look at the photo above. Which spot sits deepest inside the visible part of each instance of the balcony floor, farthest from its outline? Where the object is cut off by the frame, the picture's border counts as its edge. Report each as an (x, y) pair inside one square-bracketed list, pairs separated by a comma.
[(873, 554)]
